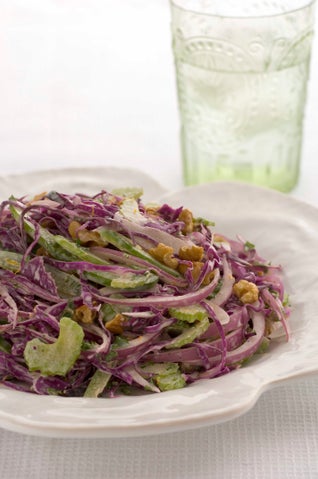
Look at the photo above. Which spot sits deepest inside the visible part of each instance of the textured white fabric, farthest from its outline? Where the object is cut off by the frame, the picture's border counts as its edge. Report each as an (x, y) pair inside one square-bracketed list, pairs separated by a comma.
[(75, 89), (277, 439)]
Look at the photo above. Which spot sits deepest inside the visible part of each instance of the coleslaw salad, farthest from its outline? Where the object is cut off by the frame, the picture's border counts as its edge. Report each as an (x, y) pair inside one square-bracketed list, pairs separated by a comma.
[(105, 295)]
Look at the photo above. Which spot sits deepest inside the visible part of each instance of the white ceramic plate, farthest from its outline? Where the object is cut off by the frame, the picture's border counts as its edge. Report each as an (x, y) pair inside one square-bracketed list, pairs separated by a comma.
[(284, 230)]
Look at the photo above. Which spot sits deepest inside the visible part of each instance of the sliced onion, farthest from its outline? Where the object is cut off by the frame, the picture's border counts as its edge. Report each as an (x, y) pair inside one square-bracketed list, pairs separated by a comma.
[(136, 345), (219, 312), (166, 301), (246, 349), (236, 321), (277, 306), (156, 235), (190, 354), (252, 343), (226, 289), (13, 311), (141, 381), (125, 258)]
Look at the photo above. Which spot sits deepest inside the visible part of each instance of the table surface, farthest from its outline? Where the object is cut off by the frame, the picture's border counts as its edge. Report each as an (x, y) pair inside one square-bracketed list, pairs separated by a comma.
[(94, 85)]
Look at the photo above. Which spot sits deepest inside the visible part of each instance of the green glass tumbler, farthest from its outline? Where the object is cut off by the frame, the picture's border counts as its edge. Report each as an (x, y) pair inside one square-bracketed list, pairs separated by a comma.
[(242, 73)]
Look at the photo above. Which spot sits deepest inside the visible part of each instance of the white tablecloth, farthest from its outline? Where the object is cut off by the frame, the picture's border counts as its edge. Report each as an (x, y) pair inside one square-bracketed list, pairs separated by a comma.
[(93, 83)]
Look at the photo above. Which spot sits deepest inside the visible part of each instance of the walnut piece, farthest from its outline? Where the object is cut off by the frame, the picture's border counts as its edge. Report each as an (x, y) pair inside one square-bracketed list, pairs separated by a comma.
[(38, 197), (84, 314), (73, 227), (246, 291), (187, 218), (164, 254), (85, 236), (191, 253), (152, 210), (115, 324)]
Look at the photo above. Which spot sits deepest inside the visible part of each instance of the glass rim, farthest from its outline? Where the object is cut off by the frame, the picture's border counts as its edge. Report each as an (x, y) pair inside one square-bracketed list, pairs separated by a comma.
[(175, 4)]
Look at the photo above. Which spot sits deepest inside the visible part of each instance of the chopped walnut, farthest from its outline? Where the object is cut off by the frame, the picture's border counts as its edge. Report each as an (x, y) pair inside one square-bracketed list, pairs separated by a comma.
[(208, 278), (164, 254), (115, 325), (90, 237), (246, 291), (38, 197), (85, 236), (84, 314), (191, 253), (41, 252), (73, 228), (47, 223), (260, 273), (152, 210), (187, 218), (182, 268)]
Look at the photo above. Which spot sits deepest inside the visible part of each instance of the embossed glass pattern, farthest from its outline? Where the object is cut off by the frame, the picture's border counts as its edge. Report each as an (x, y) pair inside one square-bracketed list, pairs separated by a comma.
[(242, 70)]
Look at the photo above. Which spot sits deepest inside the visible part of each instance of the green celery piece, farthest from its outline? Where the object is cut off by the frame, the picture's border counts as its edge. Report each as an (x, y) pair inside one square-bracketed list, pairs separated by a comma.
[(10, 261), (115, 280), (66, 250), (130, 280), (286, 300), (68, 285), (132, 192), (57, 246), (110, 310), (190, 314), (263, 347), (47, 240), (167, 376), (78, 252), (97, 384), (248, 246), (4, 345), (171, 381), (125, 244), (190, 334), (119, 342), (123, 281), (203, 221), (59, 357)]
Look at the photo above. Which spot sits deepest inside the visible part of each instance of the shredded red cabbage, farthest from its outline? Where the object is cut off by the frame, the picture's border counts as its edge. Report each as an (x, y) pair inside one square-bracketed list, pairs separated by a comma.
[(151, 297)]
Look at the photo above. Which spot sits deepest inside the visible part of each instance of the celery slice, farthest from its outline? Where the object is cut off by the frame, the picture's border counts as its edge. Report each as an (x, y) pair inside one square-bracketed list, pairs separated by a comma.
[(97, 384), (59, 357), (67, 250), (167, 376), (5, 346), (130, 280), (124, 244), (47, 240), (190, 334), (128, 192), (68, 285), (190, 314), (10, 261)]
